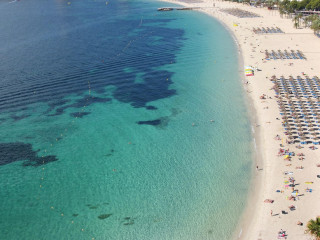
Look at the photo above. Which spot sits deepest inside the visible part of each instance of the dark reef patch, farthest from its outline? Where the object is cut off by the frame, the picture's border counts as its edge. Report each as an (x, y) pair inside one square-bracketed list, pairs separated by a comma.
[(93, 207), (80, 103), (163, 121), (151, 108), (150, 122), (13, 152), (175, 112), (152, 89), (160, 122), (17, 117), (79, 114), (104, 216), (128, 221), (110, 154)]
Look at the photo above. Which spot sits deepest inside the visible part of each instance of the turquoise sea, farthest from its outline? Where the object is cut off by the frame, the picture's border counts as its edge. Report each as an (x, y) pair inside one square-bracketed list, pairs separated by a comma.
[(119, 122)]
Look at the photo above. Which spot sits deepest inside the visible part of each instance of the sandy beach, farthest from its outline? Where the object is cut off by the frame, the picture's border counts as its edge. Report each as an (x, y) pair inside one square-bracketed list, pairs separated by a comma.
[(263, 220)]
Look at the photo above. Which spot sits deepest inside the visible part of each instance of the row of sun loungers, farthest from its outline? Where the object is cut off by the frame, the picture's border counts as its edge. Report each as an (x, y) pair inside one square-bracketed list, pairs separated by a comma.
[(284, 55), (239, 13), (267, 30), (299, 104)]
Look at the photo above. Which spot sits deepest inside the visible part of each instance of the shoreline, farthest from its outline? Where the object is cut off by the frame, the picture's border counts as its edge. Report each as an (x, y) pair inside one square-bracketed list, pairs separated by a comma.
[(255, 221), (255, 181)]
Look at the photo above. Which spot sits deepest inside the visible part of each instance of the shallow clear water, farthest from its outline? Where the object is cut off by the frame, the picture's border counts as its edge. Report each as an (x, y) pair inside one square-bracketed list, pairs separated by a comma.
[(105, 127)]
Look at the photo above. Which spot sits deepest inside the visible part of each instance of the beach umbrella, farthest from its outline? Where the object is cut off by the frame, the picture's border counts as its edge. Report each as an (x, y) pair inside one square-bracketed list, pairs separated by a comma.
[(314, 134), (298, 124), (314, 128), (303, 140), (311, 125), (300, 127), (285, 119), (284, 112), (289, 132)]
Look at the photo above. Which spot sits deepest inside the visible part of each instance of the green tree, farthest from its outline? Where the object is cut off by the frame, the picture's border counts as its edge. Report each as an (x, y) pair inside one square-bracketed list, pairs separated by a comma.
[(309, 19), (270, 3), (316, 4), (284, 7), (315, 26), (281, 11), (295, 19), (305, 22), (313, 5), (313, 228), (302, 5), (284, 4), (294, 5)]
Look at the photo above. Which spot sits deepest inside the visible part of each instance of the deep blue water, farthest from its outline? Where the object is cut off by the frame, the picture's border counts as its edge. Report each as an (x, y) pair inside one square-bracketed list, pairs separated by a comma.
[(50, 50)]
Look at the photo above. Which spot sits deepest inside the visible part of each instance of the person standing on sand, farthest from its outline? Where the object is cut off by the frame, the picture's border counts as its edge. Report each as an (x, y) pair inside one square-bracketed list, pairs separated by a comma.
[(271, 213), (257, 168)]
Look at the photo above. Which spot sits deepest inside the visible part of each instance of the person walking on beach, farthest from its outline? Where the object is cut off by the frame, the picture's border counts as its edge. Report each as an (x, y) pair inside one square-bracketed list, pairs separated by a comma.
[(257, 168), (271, 213)]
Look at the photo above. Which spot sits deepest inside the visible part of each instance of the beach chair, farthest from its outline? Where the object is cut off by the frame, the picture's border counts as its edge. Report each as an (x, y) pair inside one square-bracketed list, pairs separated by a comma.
[(275, 57), (302, 55), (293, 55), (287, 54), (299, 55)]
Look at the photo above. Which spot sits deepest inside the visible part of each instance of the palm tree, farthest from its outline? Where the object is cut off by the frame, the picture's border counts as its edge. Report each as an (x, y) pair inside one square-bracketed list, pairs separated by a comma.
[(310, 19), (305, 21), (300, 15), (296, 21), (313, 228), (315, 26), (270, 3), (281, 11)]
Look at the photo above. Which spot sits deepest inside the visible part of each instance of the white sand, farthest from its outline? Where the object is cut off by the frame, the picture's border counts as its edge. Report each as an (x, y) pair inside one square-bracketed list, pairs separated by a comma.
[(257, 222)]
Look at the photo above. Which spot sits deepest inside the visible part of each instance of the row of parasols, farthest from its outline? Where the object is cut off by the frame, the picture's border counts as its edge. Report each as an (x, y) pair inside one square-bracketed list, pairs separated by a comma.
[(239, 13), (267, 30), (284, 55), (300, 112), (307, 87)]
